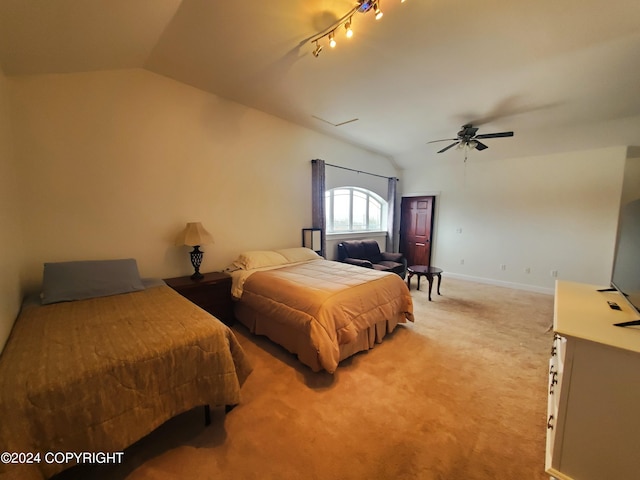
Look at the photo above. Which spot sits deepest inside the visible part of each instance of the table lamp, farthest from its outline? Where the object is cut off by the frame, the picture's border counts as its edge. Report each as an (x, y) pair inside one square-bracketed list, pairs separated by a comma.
[(195, 235)]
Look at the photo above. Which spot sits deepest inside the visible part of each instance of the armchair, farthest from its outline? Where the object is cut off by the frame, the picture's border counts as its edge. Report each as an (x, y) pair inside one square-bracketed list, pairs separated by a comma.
[(366, 253)]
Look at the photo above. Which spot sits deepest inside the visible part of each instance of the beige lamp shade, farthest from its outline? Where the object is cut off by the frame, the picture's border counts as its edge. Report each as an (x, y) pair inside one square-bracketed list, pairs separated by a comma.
[(194, 234)]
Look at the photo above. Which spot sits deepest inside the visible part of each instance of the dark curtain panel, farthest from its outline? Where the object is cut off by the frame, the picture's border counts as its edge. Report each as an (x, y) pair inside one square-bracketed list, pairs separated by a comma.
[(391, 199), (317, 199)]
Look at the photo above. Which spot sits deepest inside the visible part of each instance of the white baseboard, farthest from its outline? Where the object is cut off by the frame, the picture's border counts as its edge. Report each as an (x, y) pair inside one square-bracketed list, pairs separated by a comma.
[(501, 283)]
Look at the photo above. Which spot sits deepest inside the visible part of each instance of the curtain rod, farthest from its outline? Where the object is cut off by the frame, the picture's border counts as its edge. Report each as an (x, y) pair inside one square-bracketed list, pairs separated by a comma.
[(357, 171)]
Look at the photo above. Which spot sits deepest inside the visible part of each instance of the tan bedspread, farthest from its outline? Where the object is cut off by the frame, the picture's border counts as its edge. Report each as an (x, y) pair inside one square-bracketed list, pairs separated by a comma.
[(99, 374), (331, 302)]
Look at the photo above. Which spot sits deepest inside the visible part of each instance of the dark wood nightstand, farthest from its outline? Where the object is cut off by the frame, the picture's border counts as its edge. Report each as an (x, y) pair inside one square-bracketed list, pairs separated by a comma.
[(211, 293)]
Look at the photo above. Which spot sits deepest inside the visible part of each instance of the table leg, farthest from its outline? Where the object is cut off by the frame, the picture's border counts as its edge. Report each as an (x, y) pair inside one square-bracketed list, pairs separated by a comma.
[(439, 279), (207, 415), (409, 275), (430, 278), (419, 281)]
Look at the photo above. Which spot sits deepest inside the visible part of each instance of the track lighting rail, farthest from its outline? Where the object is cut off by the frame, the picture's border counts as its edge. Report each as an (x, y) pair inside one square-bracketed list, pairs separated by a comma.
[(346, 21)]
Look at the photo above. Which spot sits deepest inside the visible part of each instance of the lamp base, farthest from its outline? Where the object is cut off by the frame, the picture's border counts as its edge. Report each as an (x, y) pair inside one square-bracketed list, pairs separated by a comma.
[(196, 260)]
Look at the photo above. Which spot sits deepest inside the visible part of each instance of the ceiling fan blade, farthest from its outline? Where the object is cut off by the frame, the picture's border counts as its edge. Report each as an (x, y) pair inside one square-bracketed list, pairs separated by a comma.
[(480, 146), (444, 140), (495, 135), (447, 148)]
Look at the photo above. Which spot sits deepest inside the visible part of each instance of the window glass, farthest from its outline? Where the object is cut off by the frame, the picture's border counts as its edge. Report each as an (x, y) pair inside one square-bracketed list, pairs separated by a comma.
[(375, 215), (353, 209), (359, 210), (341, 209)]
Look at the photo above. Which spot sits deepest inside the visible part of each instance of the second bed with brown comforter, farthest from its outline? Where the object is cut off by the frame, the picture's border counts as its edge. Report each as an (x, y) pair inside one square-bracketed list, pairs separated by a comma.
[(96, 375), (322, 311)]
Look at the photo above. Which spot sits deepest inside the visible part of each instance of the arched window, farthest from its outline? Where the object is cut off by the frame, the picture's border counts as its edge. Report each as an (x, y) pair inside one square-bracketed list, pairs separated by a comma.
[(353, 209)]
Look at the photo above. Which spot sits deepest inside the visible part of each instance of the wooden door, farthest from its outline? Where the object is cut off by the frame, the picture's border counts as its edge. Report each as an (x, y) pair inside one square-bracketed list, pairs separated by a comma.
[(416, 225)]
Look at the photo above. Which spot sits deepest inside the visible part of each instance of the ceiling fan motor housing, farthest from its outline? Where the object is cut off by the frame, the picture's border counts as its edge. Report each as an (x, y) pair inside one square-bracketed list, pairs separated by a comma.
[(467, 132)]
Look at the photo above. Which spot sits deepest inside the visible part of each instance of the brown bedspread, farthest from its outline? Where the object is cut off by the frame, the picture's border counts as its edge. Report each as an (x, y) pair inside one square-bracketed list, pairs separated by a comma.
[(99, 374), (331, 303)]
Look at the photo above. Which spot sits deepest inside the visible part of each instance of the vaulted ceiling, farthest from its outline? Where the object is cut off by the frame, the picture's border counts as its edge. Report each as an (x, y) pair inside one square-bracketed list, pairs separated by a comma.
[(563, 75)]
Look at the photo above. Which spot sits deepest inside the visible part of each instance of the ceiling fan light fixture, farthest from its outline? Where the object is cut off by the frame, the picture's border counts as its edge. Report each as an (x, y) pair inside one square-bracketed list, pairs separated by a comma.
[(469, 140), (332, 40)]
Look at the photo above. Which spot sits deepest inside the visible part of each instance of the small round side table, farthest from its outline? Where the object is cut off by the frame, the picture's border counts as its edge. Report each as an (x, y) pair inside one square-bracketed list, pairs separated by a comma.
[(424, 271)]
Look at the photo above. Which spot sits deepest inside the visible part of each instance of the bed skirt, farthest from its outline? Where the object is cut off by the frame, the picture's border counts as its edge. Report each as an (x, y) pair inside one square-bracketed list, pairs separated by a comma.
[(298, 341)]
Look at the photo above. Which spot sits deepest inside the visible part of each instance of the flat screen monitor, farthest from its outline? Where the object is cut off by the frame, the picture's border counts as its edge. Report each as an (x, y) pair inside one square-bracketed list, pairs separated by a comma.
[(626, 266)]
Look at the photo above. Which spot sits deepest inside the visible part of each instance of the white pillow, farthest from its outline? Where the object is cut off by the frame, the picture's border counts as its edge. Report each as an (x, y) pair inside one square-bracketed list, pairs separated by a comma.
[(259, 259), (298, 254)]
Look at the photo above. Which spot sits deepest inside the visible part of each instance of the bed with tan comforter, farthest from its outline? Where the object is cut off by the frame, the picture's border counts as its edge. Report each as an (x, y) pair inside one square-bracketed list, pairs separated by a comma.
[(322, 311), (97, 375)]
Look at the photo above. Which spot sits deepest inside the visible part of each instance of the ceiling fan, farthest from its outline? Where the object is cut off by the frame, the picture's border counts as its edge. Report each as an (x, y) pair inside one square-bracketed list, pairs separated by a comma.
[(467, 138)]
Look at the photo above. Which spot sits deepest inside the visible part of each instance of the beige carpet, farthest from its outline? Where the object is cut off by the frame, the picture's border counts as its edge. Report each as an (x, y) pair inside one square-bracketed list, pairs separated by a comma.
[(460, 394)]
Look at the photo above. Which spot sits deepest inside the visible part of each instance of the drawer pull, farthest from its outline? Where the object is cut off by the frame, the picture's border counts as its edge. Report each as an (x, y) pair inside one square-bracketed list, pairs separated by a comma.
[(554, 350), (550, 423), (551, 371), (553, 382)]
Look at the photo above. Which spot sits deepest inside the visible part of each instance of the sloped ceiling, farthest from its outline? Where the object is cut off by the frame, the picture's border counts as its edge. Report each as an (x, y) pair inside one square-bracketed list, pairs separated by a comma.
[(563, 75)]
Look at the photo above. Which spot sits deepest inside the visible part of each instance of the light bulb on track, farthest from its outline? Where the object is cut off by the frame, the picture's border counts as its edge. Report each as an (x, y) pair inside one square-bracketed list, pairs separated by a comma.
[(347, 27)]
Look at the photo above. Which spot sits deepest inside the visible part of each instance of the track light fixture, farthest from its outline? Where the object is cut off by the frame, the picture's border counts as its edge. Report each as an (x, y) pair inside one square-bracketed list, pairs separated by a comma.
[(362, 6), (347, 28), (317, 50), (377, 10)]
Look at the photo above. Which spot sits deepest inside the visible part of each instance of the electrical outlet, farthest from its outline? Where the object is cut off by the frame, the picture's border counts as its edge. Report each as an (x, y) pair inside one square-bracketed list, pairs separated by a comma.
[(503, 266), (554, 273)]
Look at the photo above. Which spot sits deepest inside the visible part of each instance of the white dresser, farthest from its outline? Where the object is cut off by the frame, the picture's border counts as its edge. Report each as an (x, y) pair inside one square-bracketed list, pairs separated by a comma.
[(593, 422)]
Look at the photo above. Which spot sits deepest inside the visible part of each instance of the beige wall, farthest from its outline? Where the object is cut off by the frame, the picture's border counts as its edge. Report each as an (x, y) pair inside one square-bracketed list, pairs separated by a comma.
[(555, 212), (115, 163), (11, 245)]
